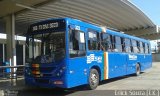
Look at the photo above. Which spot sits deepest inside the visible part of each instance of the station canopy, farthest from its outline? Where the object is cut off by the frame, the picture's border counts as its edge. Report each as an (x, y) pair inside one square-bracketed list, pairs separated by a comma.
[(118, 14)]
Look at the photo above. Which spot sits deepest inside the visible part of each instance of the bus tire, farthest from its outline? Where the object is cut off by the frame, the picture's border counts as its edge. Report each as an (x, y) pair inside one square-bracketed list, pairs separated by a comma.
[(93, 79), (138, 70)]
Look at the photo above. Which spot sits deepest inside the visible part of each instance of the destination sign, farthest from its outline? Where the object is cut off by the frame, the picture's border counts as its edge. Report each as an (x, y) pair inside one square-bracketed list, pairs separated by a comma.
[(50, 25), (45, 26)]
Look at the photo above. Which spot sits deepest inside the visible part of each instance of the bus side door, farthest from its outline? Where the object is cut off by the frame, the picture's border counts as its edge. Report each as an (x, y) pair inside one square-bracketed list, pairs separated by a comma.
[(77, 73), (117, 58), (132, 56)]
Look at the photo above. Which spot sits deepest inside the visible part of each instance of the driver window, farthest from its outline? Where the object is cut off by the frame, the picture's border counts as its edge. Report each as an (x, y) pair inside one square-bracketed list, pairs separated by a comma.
[(77, 46)]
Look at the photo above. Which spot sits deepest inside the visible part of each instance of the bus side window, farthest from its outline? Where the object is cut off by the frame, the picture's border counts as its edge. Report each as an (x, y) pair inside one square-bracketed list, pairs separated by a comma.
[(113, 42), (146, 48), (141, 48), (127, 45), (138, 46), (123, 44), (106, 42), (118, 44), (134, 46), (77, 43), (93, 40)]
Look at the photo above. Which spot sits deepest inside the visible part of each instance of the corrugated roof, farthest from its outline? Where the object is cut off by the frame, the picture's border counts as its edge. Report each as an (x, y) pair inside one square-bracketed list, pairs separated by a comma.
[(119, 14)]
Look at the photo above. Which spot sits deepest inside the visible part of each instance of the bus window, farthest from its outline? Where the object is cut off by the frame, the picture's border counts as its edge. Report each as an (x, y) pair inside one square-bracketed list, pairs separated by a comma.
[(93, 40), (134, 46), (106, 42), (113, 42), (138, 46), (77, 44), (141, 48), (118, 44), (123, 44), (146, 48), (128, 45)]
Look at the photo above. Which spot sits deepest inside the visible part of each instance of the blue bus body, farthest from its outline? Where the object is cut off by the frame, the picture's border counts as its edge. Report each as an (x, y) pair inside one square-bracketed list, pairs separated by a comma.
[(74, 70)]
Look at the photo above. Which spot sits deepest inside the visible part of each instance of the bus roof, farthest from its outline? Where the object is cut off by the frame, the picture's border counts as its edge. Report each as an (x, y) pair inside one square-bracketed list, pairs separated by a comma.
[(126, 36), (95, 27)]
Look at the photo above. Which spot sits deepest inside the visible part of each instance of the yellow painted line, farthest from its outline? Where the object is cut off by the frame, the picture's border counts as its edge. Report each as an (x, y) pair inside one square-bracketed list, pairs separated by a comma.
[(105, 65)]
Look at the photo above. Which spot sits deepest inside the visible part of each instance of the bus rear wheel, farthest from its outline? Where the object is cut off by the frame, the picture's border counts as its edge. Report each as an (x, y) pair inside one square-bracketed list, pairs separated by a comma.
[(93, 79), (138, 70)]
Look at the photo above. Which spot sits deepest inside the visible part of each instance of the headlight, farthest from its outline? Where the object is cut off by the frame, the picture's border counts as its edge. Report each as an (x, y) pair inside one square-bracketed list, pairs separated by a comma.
[(27, 71)]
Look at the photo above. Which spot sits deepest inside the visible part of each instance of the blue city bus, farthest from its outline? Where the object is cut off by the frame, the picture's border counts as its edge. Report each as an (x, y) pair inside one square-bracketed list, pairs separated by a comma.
[(67, 52)]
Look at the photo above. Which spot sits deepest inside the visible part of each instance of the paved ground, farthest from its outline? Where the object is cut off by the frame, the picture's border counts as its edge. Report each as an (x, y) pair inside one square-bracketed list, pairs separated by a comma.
[(147, 84)]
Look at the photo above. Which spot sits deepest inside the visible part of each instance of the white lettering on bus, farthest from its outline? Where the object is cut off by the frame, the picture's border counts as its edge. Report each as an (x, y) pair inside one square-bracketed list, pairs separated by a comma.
[(45, 26), (132, 57), (92, 58)]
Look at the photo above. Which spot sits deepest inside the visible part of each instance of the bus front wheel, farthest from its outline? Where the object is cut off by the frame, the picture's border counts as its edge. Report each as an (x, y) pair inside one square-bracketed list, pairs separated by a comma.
[(138, 69), (93, 79)]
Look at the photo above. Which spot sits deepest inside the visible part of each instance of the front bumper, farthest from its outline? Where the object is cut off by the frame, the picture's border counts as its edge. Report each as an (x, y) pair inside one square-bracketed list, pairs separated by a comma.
[(45, 82)]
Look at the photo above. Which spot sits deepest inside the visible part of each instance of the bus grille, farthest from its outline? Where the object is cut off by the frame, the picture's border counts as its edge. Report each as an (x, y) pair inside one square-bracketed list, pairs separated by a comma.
[(43, 81), (47, 75), (46, 69)]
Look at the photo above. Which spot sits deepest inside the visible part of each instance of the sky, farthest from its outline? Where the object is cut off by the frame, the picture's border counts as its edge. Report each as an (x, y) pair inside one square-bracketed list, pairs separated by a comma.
[(151, 8)]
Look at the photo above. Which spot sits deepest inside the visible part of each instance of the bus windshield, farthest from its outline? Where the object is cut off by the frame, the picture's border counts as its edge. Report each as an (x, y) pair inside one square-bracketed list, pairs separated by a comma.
[(45, 47)]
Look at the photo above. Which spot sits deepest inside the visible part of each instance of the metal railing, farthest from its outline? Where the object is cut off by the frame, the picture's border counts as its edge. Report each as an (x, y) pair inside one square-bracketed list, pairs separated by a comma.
[(11, 72)]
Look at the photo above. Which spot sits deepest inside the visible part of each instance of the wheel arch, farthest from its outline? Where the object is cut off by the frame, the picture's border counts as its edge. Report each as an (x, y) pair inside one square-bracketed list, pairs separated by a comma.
[(139, 65)]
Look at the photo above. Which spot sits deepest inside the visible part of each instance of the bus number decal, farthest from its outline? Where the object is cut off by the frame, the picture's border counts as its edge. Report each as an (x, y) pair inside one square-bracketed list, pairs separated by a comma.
[(92, 58)]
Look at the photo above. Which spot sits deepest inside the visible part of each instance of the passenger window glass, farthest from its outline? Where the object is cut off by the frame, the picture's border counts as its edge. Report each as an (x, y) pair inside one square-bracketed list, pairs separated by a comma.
[(93, 40), (113, 42), (123, 44), (138, 46), (146, 48), (134, 46), (141, 48), (118, 44), (77, 43), (106, 42), (128, 45)]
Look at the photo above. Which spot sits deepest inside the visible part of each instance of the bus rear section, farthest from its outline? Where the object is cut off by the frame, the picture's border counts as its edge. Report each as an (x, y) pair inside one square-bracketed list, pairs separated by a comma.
[(126, 54)]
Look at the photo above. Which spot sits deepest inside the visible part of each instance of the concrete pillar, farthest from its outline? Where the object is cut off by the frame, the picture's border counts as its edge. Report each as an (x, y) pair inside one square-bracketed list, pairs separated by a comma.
[(24, 56), (11, 47)]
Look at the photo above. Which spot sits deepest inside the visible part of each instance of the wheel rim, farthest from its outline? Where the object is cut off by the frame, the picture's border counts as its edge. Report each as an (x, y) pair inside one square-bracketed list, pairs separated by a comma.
[(94, 79)]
